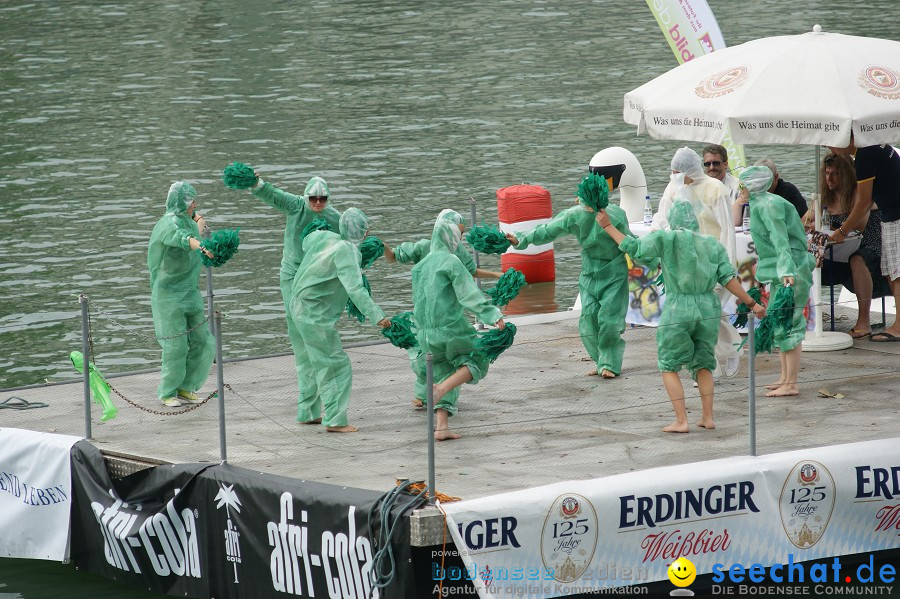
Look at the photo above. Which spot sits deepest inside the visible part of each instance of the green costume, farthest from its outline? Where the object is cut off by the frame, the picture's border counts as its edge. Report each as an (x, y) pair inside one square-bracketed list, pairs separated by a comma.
[(412, 253), (328, 276), (781, 246), (299, 215), (442, 289), (692, 265), (603, 282), (174, 298)]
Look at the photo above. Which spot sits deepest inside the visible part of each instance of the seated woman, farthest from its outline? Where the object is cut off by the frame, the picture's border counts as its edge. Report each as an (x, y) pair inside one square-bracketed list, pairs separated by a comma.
[(862, 274)]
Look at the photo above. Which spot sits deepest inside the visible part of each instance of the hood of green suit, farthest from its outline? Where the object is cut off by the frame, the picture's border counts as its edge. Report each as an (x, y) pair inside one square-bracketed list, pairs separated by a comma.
[(756, 178), (451, 215), (681, 216), (353, 225), (446, 236), (180, 196), (316, 187)]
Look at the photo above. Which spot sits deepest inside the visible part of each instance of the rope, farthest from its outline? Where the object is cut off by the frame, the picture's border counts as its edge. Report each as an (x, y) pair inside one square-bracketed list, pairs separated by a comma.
[(383, 563), (18, 403)]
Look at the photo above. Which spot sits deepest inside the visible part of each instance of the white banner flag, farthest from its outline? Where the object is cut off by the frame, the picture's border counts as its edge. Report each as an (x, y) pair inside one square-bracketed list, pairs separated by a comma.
[(35, 494), (692, 30)]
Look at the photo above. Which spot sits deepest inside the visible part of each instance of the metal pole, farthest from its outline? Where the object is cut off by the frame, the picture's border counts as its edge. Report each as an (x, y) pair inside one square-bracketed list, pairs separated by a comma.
[(751, 366), (209, 290), (429, 385), (86, 355), (478, 325), (220, 377)]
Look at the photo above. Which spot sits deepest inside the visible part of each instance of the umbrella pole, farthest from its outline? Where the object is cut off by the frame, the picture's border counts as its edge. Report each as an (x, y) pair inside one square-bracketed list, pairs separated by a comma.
[(818, 339)]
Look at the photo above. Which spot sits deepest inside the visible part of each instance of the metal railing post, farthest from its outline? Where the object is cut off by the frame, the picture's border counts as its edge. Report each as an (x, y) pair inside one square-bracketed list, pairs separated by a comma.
[(209, 290), (751, 367), (220, 378), (429, 385), (86, 355), (475, 254)]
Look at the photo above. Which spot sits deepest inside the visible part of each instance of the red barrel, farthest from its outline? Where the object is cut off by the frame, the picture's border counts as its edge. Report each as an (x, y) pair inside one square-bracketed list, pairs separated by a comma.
[(521, 208)]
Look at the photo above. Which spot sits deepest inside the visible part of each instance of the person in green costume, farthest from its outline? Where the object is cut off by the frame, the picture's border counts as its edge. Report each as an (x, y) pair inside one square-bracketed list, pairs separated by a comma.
[(327, 277), (692, 265), (412, 252), (442, 289), (603, 283), (299, 212), (178, 308), (783, 260)]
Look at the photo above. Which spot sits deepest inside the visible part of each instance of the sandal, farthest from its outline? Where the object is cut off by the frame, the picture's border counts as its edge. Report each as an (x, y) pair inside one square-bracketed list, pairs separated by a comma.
[(860, 333)]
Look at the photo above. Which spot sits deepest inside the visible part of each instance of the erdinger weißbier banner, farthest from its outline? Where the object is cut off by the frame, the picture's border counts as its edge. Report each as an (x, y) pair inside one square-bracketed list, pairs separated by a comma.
[(209, 530), (580, 536), (692, 31), (35, 494)]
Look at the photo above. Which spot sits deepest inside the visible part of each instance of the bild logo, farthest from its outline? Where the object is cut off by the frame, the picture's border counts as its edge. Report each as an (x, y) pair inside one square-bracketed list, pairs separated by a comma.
[(806, 503), (569, 537)]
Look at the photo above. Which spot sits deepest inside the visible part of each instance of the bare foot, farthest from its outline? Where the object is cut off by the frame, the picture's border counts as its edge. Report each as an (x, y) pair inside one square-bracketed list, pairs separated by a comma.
[(677, 427), (784, 391), (707, 424), (342, 429), (313, 421), (777, 385), (607, 374), (418, 403), (445, 434), (592, 372)]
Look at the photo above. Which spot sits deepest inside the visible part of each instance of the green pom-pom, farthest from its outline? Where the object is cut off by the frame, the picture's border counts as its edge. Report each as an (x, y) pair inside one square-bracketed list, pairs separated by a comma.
[(318, 224), (740, 319), (507, 287), (223, 244), (494, 342), (239, 176), (402, 331), (781, 307), (352, 310), (594, 191), (764, 338), (487, 239), (371, 250)]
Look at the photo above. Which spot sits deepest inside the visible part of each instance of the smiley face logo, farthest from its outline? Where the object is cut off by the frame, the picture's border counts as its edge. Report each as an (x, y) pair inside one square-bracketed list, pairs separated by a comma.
[(682, 572)]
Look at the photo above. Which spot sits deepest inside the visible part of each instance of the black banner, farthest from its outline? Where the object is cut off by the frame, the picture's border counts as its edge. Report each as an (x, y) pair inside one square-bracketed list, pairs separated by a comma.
[(209, 530)]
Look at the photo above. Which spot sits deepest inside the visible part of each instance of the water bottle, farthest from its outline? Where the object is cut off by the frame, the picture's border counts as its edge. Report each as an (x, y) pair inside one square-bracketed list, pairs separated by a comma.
[(745, 225), (648, 211)]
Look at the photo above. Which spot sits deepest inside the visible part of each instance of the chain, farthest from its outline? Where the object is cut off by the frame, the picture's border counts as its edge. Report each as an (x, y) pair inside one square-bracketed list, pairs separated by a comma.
[(115, 322), (193, 406)]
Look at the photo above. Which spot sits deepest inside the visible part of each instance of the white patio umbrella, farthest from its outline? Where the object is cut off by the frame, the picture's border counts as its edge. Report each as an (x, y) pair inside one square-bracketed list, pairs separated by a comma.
[(794, 89), (814, 88)]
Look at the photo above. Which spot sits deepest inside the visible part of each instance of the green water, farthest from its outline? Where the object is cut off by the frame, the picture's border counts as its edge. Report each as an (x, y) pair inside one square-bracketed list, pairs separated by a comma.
[(405, 108), (34, 579)]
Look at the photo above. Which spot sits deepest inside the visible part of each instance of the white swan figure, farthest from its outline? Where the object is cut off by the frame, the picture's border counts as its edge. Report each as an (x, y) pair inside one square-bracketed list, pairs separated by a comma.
[(622, 171)]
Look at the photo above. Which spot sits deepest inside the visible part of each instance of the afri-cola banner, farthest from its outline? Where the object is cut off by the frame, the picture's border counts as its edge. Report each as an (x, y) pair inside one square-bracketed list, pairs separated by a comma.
[(618, 531), (35, 494), (204, 530)]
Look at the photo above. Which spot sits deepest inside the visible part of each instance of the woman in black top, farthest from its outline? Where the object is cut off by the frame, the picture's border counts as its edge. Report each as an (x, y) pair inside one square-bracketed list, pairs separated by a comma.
[(862, 273)]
